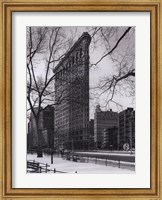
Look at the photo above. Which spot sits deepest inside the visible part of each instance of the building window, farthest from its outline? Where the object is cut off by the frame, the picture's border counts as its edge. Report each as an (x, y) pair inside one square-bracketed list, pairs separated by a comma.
[(69, 65), (77, 56), (81, 53), (61, 73), (73, 60)]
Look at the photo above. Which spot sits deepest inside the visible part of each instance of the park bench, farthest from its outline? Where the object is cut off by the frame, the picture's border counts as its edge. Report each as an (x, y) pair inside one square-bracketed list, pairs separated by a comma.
[(32, 166)]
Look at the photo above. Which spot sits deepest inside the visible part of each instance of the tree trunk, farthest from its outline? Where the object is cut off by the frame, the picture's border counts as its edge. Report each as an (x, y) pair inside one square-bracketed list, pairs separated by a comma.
[(39, 146)]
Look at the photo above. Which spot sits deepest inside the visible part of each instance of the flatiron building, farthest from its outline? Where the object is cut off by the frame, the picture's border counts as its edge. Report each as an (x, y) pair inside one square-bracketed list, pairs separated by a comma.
[(72, 97)]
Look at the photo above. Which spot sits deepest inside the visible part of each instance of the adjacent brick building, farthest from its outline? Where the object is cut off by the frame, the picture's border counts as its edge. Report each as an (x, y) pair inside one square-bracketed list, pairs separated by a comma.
[(103, 120), (110, 138), (126, 132)]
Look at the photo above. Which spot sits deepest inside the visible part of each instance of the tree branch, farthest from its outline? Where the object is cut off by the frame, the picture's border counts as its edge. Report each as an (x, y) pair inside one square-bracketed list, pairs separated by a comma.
[(115, 46)]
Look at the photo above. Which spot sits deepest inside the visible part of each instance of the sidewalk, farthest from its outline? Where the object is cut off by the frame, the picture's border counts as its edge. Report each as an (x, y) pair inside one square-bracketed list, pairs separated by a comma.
[(81, 168)]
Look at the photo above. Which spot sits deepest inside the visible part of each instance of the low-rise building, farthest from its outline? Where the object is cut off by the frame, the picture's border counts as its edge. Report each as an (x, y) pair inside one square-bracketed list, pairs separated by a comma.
[(103, 120), (110, 139), (126, 133)]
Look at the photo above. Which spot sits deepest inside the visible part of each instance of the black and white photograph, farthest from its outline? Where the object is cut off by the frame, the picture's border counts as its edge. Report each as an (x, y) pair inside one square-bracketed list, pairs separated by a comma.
[(80, 99)]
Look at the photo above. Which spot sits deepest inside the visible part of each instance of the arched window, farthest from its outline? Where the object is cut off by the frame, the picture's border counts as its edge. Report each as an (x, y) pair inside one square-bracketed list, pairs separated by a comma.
[(69, 64), (66, 66), (81, 53), (77, 56), (73, 60)]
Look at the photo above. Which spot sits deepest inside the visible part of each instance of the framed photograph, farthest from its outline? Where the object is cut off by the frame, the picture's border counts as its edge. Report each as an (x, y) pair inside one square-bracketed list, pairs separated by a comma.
[(80, 84)]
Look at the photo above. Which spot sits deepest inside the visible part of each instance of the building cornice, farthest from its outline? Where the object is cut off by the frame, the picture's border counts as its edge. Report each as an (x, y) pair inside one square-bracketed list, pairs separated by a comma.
[(83, 36)]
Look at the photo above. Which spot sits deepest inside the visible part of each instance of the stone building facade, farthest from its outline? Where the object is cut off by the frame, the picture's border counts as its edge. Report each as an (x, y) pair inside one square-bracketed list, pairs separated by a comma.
[(103, 120), (110, 141), (126, 132), (72, 97)]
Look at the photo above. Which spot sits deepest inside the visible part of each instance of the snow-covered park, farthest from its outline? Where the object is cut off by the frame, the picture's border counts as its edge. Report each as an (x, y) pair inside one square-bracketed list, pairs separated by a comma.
[(67, 166)]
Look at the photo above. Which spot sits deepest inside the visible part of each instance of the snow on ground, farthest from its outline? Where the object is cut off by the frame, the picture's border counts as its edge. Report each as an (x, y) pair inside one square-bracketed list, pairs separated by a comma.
[(82, 168)]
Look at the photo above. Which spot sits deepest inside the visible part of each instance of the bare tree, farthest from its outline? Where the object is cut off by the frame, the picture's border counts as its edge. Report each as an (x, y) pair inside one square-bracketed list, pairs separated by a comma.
[(44, 49), (118, 44), (46, 46)]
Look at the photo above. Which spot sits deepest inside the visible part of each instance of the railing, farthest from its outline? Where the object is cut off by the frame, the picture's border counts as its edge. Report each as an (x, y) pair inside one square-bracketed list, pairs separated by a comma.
[(105, 159), (32, 166), (38, 167)]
